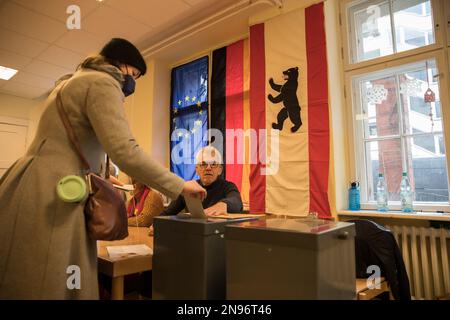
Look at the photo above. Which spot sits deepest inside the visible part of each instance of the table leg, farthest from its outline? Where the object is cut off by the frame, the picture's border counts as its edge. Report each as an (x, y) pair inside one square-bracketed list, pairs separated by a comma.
[(117, 288)]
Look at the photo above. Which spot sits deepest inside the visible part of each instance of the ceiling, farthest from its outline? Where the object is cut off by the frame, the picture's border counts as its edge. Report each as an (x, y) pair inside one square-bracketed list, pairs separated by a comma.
[(34, 38)]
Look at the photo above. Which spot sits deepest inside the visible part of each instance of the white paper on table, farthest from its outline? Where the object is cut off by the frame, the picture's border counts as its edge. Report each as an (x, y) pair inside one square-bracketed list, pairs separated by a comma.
[(116, 252)]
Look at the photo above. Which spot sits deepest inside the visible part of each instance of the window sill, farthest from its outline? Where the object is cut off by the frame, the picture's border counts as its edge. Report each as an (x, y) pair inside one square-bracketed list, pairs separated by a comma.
[(432, 216)]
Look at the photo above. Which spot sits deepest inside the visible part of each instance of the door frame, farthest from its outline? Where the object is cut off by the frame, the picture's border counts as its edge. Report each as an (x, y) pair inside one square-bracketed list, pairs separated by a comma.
[(14, 121)]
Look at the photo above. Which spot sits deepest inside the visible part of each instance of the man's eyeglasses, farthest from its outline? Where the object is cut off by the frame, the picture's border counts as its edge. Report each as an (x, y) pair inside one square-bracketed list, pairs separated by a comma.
[(204, 165)]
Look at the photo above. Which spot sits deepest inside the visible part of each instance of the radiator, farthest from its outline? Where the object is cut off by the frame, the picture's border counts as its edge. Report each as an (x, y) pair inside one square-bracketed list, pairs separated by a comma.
[(426, 255)]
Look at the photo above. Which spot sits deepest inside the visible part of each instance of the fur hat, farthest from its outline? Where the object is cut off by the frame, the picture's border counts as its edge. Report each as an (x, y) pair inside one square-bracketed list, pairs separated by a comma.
[(123, 51)]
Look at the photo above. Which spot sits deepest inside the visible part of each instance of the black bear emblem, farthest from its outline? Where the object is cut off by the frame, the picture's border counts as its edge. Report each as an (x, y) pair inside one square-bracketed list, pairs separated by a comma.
[(288, 95)]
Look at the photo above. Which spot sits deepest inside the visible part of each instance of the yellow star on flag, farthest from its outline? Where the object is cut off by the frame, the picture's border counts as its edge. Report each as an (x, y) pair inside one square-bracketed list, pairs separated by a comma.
[(179, 102), (200, 112), (175, 110), (187, 98), (199, 104), (194, 98)]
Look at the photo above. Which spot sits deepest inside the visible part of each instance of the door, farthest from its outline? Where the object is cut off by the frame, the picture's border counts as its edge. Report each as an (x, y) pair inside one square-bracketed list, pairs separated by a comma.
[(13, 138)]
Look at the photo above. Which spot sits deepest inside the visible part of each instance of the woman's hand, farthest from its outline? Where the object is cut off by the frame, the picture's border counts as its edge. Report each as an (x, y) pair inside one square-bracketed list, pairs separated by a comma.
[(193, 189)]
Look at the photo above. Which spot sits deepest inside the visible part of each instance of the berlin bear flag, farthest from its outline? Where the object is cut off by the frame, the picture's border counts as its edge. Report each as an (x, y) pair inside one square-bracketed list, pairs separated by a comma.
[(276, 92)]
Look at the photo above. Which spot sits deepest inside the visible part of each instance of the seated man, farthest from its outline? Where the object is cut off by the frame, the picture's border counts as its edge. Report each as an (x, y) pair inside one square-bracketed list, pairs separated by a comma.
[(222, 196)]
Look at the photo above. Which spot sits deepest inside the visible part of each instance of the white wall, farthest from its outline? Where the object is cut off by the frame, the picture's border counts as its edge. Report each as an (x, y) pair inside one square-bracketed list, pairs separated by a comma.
[(22, 108), (161, 112), (148, 110), (339, 174), (12, 106)]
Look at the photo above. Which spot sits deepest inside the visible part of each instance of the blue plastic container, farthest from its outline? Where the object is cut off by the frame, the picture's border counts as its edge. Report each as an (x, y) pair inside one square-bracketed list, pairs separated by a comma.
[(354, 197)]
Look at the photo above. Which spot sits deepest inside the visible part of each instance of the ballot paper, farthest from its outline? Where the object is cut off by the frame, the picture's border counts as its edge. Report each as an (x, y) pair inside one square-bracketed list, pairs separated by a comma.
[(118, 252), (195, 207), (125, 187)]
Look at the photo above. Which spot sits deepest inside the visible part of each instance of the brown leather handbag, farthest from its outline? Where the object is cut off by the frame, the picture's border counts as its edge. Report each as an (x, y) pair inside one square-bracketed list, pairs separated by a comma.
[(105, 211)]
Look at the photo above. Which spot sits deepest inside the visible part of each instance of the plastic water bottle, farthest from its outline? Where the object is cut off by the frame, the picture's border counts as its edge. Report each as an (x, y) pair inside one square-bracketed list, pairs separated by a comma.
[(382, 194), (406, 194), (354, 199)]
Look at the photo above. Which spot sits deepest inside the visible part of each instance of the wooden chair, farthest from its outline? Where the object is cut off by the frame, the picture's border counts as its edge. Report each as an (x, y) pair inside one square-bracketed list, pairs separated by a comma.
[(363, 292)]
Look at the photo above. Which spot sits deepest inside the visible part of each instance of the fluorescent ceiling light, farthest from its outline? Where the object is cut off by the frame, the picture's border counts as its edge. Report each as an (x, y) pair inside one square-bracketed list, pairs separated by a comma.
[(7, 73)]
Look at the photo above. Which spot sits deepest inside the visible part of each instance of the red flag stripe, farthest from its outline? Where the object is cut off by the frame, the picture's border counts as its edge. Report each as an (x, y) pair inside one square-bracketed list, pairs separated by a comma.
[(318, 120), (258, 115), (234, 93)]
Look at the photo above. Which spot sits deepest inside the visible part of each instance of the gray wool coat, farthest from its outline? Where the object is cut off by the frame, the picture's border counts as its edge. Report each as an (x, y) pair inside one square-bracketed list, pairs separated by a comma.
[(42, 236)]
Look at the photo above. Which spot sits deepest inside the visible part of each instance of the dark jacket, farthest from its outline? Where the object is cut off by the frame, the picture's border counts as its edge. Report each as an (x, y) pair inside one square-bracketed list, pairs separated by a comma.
[(376, 245), (219, 191)]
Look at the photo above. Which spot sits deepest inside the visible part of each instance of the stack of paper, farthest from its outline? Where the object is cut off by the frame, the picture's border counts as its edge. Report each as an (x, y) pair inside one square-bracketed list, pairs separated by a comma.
[(117, 252), (237, 216)]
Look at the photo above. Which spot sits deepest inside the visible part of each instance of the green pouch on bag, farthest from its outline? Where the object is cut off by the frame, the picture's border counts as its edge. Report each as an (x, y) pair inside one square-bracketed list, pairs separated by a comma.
[(72, 188)]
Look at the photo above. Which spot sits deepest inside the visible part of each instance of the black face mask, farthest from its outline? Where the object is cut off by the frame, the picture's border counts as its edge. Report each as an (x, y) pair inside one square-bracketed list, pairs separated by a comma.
[(128, 85)]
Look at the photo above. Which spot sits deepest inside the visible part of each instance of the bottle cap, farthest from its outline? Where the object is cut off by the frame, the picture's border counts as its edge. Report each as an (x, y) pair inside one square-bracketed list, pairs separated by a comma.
[(380, 174), (404, 174), (71, 189)]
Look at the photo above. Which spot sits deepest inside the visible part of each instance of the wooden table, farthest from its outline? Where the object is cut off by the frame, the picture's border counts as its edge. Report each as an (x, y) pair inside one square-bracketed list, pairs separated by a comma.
[(365, 293), (118, 268)]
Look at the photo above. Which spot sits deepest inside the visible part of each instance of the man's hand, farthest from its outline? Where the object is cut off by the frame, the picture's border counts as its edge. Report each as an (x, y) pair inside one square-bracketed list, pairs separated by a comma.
[(217, 209)]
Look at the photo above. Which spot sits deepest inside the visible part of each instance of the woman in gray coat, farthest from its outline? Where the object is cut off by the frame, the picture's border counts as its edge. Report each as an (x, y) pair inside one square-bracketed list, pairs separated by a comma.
[(43, 239)]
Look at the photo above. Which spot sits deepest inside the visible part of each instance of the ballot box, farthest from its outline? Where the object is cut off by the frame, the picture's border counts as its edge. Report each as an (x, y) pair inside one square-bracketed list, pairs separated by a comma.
[(290, 259), (189, 258)]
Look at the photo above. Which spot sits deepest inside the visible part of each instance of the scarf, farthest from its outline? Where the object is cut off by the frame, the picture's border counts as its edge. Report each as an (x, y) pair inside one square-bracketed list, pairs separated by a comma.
[(96, 63), (132, 209)]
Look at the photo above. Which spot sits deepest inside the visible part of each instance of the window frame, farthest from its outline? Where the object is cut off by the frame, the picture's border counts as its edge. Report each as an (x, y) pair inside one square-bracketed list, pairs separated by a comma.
[(446, 20), (357, 154), (347, 46)]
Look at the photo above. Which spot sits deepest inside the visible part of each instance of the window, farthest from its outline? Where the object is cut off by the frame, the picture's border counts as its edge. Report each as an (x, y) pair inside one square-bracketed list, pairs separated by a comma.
[(396, 130), (397, 124), (189, 116), (383, 27)]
